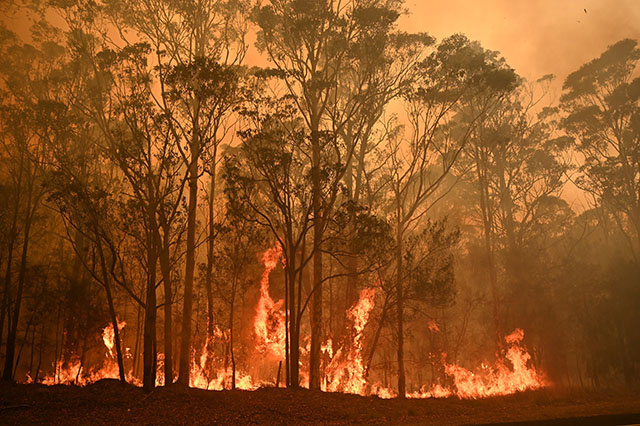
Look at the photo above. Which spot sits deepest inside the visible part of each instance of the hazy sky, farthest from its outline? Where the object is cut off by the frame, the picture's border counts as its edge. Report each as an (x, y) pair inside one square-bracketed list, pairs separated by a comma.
[(537, 37)]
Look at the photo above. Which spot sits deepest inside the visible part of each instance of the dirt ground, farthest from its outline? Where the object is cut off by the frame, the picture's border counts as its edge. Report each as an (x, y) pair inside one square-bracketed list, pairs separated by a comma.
[(110, 403)]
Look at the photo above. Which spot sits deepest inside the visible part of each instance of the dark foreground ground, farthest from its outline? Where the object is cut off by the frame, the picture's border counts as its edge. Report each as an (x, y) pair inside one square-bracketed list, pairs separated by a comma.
[(110, 403)]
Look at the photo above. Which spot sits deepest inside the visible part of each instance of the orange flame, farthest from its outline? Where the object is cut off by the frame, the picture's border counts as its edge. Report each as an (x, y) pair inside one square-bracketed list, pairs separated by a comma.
[(347, 373), (73, 372), (269, 323), (500, 379), (108, 336)]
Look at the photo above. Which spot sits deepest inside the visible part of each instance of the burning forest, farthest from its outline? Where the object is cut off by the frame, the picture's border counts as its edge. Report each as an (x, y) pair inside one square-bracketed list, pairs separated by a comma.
[(281, 195)]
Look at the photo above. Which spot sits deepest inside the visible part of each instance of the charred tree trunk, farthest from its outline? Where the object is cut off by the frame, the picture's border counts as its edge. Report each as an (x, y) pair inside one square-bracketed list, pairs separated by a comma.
[(13, 329), (185, 341), (294, 330), (231, 312), (112, 313), (4, 309), (376, 337), (316, 287), (209, 272), (149, 335), (165, 266), (400, 308), (487, 220)]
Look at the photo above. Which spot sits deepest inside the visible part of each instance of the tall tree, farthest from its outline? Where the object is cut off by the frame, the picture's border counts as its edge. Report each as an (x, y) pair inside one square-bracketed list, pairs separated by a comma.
[(316, 44), (515, 163), (602, 105), (457, 73), (189, 39), (24, 125)]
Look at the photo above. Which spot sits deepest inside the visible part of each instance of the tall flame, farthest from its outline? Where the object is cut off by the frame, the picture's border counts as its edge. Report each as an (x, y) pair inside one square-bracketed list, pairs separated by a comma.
[(269, 323), (108, 336), (347, 373)]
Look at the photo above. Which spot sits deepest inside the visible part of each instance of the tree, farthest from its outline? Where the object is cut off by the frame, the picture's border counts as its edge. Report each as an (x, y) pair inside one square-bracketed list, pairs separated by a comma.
[(190, 41), (268, 184), (25, 122), (602, 105), (515, 164), (315, 45), (457, 73)]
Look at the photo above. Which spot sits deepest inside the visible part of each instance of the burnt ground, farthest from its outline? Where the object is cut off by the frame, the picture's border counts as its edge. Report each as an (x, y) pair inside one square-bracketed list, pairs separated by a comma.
[(110, 403)]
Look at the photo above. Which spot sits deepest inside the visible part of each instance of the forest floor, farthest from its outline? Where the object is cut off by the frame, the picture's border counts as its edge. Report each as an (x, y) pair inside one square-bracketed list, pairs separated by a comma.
[(109, 403)]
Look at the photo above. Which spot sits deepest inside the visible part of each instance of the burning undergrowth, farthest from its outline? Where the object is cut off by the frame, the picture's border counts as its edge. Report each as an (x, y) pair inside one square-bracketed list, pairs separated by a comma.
[(344, 370)]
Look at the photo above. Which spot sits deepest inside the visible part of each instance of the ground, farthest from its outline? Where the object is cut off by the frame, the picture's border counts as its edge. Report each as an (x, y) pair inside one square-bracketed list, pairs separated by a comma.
[(110, 403)]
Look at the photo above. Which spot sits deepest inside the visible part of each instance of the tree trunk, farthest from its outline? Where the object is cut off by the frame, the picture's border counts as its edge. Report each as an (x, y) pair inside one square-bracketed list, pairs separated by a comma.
[(4, 311), (209, 272), (149, 336), (376, 337), (294, 330), (165, 266), (400, 313), (316, 287), (487, 220), (231, 354), (112, 312), (185, 342), (13, 330)]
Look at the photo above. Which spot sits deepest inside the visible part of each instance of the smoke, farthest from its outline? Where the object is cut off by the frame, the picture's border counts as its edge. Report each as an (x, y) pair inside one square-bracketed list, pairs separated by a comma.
[(536, 37)]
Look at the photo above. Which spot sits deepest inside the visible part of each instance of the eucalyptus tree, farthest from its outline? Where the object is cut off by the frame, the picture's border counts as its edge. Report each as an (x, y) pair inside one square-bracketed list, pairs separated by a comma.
[(456, 74), (333, 55), (601, 101), (267, 181), (26, 113), (195, 45), (516, 164)]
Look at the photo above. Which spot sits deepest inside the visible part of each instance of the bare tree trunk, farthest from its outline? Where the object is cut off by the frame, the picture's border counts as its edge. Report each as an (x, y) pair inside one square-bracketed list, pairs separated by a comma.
[(185, 342), (13, 235), (165, 266), (400, 313), (33, 346), (209, 272), (112, 312), (136, 346), (294, 330), (40, 349), (4, 311), (231, 309), (316, 287), (13, 330), (149, 336), (487, 220), (376, 337)]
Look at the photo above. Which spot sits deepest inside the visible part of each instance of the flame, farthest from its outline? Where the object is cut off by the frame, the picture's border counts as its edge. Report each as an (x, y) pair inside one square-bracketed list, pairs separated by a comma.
[(344, 368), (433, 326), (269, 322), (499, 379), (347, 373), (73, 371), (108, 336)]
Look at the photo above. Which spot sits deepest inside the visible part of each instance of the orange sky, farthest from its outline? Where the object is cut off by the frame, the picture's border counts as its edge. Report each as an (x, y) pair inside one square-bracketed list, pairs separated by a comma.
[(537, 37)]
